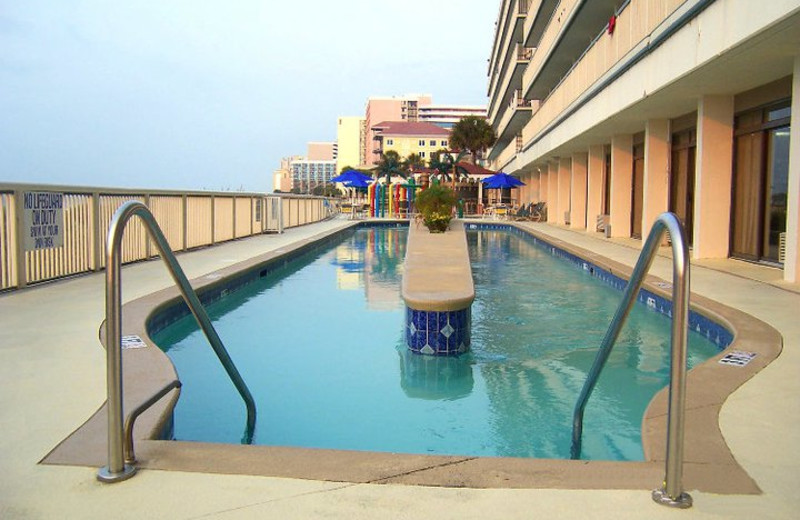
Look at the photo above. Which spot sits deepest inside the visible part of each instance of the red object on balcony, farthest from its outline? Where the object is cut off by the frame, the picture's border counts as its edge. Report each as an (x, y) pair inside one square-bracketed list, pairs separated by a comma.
[(612, 23)]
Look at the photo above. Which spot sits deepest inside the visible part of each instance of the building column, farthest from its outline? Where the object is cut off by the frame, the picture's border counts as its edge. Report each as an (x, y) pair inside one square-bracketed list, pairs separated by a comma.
[(564, 188), (544, 183), (578, 193), (657, 155), (621, 178), (791, 263), (713, 177), (552, 193), (596, 186), (533, 188)]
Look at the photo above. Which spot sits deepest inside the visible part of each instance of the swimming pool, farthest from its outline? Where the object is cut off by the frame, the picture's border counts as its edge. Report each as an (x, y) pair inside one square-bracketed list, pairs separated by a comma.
[(320, 343)]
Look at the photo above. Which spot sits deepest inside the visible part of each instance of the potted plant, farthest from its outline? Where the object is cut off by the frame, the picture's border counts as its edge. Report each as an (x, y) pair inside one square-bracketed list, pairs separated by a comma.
[(436, 206)]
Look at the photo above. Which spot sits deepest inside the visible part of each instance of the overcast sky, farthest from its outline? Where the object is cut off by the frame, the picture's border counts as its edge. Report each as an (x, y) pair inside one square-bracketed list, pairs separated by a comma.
[(210, 94)]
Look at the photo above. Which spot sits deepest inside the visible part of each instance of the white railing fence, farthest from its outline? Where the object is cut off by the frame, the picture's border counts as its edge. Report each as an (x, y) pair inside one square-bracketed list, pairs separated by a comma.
[(65, 234)]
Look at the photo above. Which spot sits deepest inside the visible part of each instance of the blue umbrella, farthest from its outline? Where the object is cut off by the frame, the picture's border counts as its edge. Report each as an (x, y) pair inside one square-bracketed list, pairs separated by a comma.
[(351, 176), (502, 180), (355, 183)]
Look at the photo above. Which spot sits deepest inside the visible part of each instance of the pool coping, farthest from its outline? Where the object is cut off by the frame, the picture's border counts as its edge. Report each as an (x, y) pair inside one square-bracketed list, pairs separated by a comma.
[(709, 464)]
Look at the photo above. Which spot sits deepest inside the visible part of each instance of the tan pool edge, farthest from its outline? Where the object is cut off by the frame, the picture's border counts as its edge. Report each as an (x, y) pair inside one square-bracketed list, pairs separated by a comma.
[(709, 464)]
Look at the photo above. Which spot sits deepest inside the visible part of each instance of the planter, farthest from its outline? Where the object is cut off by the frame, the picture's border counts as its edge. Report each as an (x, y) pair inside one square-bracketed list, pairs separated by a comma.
[(437, 225)]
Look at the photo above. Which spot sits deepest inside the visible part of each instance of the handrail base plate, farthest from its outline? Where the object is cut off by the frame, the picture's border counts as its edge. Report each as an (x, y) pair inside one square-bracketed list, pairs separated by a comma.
[(109, 477), (684, 500)]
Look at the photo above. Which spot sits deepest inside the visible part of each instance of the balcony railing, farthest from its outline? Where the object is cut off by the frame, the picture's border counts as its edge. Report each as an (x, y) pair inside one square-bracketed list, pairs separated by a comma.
[(524, 53), (518, 101), (71, 240)]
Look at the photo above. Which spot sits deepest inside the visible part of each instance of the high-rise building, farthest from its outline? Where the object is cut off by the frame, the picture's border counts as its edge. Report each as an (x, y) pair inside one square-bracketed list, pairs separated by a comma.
[(448, 115), (350, 133), (396, 108), (319, 151), (307, 174), (282, 177), (682, 106)]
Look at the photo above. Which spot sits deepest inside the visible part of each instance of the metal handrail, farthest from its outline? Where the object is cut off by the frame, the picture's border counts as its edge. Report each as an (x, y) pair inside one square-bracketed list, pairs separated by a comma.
[(130, 454), (117, 470), (671, 493)]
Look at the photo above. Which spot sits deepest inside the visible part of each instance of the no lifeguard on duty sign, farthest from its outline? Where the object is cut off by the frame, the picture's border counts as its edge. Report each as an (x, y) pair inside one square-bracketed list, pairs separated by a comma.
[(42, 220)]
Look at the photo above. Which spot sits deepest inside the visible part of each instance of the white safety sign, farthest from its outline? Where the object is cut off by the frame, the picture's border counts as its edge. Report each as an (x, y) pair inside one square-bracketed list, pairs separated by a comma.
[(42, 220)]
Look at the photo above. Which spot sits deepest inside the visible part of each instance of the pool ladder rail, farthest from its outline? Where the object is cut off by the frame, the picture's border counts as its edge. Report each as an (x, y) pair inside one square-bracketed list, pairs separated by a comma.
[(671, 494), (120, 441)]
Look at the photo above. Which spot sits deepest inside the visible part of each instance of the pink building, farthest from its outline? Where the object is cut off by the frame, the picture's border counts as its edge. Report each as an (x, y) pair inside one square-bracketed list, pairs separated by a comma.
[(318, 151), (395, 108)]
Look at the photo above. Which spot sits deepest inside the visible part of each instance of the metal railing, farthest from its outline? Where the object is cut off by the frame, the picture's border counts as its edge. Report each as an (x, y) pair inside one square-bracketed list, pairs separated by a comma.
[(671, 493), (189, 219), (117, 469)]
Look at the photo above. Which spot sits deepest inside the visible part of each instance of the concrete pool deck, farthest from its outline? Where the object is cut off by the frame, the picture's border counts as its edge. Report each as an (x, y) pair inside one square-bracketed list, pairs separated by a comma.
[(52, 372)]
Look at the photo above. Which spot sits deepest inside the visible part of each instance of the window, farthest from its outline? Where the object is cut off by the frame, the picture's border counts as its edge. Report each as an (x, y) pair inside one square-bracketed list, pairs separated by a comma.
[(444, 143), (421, 142), (422, 154), (760, 176), (389, 142), (433, 143)]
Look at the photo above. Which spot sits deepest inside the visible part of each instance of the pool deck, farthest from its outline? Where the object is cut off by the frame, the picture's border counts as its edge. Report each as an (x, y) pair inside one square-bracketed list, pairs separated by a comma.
[(52, 375)]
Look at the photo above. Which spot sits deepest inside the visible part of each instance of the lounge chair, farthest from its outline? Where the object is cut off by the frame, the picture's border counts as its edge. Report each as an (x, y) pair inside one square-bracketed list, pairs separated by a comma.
[(523, 213), (539, 212)]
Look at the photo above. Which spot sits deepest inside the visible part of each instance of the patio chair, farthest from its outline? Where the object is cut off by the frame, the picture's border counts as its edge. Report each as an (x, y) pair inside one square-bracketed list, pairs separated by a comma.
[(523, 213), (539, 212)]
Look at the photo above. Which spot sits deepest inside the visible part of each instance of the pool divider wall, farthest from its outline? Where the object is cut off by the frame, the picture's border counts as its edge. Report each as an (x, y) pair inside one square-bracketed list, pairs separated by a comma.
[(438, 291)]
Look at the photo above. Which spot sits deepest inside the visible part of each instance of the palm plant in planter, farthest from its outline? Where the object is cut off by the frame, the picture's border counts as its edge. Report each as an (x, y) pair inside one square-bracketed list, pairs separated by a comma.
[(436, 205)]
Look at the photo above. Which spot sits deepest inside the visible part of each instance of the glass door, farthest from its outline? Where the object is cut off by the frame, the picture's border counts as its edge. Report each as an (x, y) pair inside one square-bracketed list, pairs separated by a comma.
[(761, 174)]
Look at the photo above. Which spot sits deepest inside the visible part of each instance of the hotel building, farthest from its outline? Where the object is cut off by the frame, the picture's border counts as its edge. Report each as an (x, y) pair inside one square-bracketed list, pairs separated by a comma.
[(406, 138), (614, 111), (447, 116), (412, 108), (350, 135)]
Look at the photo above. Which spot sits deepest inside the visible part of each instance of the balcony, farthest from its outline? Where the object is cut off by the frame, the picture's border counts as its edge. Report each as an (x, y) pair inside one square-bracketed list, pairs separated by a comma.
[(538, 18), (556, 53), (511, 81), (517, 114), (634, 24), (505, 39)]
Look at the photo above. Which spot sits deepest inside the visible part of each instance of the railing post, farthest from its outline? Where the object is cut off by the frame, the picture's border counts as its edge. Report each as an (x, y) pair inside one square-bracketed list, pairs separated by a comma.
[(233, 216), (148, 250), (185, 220), (96, 239), (19, 241), (213, 220), (280, 214)]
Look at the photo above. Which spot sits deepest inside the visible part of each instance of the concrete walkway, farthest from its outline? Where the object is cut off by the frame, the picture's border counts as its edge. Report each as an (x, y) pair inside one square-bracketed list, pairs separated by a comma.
[(52, 375)]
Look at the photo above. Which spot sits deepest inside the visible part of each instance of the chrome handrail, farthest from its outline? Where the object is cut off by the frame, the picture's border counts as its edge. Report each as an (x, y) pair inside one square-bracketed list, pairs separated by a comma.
[(671, 493), (117, 470), (130, 453)]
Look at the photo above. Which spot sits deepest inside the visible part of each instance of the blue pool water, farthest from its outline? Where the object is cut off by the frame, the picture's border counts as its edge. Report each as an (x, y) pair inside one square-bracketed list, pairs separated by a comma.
[(320, 343)]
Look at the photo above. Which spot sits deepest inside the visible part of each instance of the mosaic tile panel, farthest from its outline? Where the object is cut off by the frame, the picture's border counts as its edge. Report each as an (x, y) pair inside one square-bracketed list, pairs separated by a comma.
[(434, 333)]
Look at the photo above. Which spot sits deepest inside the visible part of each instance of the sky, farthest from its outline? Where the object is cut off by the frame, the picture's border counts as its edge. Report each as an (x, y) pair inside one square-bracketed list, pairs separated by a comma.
[(211, 94)]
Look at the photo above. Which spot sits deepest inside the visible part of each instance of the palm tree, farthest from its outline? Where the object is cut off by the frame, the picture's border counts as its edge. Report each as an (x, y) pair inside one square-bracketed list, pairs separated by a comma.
[(413, 162), (390, 164), (472, 133), (443, 162)]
